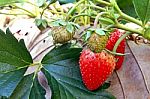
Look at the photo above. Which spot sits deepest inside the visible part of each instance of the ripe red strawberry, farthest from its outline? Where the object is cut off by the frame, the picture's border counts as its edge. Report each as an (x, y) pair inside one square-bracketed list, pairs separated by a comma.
[(95, 68), (121, 48)]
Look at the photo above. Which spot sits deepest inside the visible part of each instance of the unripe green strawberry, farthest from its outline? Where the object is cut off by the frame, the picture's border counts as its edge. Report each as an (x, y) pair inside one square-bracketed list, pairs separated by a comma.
[(97, 42), (95, 68), (61, 35)]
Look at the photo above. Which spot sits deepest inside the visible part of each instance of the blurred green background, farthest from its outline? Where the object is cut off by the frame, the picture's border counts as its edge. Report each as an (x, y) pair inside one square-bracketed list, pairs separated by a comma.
[(125, 5)]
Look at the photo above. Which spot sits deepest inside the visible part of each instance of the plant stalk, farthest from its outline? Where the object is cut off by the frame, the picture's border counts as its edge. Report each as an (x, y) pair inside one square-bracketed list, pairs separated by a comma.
[(127, 17), (84, 14), (104, 2), (30, 13), (121, 26), (97, 18), (73, 8), (119, 41)]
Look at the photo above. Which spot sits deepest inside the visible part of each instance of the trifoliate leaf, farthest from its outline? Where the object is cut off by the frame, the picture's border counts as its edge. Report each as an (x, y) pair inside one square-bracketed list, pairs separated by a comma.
[(61, 68)]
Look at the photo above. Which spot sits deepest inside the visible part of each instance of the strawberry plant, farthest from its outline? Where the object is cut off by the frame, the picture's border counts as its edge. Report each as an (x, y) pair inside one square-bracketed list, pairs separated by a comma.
[(88, 45)]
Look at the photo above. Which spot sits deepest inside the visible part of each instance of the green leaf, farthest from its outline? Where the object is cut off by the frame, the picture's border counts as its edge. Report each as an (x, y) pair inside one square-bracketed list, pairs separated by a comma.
[(40, 2), (106, 85), (55, 23), (66, 1), (75, 25), (14, 54), (142, 8), (44, 23), (5, 2), (51, 1), (37, 92), (88, 34), (70, 28), (2, 97), (41, 22), (61, 22), (38, 22), (23, 89), (9, 81), (127, 7), (28, 88), (61, 68), (14, 60), (100, 31)]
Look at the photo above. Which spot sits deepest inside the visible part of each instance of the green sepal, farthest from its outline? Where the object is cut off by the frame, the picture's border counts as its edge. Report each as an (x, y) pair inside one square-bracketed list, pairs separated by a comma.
[(41, 23), (69, 28), (88, 34), (100, 32)]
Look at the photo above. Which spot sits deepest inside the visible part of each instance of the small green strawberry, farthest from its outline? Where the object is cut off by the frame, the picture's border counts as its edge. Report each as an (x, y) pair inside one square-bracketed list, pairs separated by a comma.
[(97, 40), (62, 31), (61, 35)]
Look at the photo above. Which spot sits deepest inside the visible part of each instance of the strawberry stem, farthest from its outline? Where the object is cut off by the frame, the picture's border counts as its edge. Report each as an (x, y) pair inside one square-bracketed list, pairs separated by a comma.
[(119, 41), (127, 17), (121, 26), (114, 53), (86, 17), (73, 8), (30, 13), (84, 14), (131, 19), (104, 2), (97, 7), (97, 18), (44, 10)]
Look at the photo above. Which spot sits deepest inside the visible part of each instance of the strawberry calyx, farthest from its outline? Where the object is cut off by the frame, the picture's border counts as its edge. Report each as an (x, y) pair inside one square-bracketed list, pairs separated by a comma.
[(96, 39), (70, 26)]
